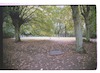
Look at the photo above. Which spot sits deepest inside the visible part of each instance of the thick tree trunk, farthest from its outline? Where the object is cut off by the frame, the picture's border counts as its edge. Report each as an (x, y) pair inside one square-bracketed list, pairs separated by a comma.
[(78, 30), (17, 33), (78, 34)]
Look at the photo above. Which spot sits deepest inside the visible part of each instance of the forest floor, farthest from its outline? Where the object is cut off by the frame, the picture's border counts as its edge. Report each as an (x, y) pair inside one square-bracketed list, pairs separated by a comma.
[(35, 54)]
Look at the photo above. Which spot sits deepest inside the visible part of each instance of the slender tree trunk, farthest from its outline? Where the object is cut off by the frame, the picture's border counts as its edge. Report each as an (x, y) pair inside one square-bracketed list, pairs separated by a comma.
[(87, 29), (65, 30), (58, 29), (85, 10), (17, 31), (1, 38), (78, 30)]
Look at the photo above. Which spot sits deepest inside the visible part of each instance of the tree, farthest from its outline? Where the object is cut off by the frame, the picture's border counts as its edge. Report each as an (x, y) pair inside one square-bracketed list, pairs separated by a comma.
[(63, 24), (77, 27), (19, 16), (52, 21), (92, 21), (8, 28), (85, 10), (42, 23), (67, 20)]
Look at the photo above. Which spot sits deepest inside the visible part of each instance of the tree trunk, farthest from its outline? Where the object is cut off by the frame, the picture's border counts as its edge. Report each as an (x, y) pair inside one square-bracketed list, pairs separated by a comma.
[(78, 30), (17, 33), (85, 13), (87, 29), (65, 31), (58, 30)]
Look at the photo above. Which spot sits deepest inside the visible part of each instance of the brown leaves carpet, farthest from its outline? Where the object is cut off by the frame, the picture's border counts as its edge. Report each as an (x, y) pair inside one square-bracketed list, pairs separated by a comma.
[(35, 55)]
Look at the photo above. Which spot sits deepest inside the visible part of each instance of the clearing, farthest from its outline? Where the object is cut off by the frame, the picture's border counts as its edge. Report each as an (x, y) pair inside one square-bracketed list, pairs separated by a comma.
[(48, 53)]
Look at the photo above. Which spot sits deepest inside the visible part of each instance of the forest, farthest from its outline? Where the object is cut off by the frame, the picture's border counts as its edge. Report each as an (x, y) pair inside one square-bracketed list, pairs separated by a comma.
[(70, 31)]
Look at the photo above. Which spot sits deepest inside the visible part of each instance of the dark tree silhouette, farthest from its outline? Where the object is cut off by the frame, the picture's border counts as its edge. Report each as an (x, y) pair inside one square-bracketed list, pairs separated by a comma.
[(1, 41)]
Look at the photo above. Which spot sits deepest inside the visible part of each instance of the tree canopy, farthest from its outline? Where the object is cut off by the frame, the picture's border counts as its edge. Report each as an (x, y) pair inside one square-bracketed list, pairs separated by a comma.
[(45, 21), (51, 21)]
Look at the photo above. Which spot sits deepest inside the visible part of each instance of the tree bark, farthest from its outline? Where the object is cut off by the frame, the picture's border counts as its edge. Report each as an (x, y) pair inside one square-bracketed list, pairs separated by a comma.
[(85, 13), (65, 31), (78, 30), (17, 33), (87, 29)]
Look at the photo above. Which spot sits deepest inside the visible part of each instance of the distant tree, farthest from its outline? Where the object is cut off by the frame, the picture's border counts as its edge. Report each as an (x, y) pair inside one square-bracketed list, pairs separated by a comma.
[(50, 21), (62, 19), (67, 20), (19, 16), (78, 30)]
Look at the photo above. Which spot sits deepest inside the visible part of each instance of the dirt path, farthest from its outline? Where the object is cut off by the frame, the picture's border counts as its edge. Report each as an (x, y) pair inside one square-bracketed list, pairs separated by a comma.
[(34, 54)]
